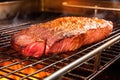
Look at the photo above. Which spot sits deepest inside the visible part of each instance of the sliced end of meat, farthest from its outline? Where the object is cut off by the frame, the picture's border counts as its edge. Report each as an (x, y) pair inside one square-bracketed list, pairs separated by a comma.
[(36, 49), (20, 41)]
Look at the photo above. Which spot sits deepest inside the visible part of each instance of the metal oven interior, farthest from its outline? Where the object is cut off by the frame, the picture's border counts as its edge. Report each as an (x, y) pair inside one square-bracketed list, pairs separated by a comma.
[(83, 64)]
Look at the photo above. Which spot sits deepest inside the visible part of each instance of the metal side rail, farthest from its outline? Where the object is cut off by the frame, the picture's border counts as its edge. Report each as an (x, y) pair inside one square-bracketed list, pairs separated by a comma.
[(89, 7), (58, 74)]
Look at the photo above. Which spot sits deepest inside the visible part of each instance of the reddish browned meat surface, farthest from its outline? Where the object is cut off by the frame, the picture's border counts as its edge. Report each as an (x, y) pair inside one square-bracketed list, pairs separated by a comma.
[(60, 35)]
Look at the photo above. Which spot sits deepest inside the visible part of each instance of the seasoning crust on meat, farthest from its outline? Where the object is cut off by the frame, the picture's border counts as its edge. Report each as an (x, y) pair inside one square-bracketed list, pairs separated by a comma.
[(60, 35)]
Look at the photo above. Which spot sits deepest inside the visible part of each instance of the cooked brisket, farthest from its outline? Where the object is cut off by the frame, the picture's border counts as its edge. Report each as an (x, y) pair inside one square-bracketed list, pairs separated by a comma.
[(60, 35)]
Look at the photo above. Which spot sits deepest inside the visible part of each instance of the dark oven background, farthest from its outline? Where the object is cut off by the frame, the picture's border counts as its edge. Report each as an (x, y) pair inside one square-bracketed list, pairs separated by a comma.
[(27, 12)]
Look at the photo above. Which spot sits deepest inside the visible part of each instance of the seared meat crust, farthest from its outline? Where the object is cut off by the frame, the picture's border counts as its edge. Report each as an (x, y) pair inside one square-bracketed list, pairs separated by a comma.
[(60, 35)]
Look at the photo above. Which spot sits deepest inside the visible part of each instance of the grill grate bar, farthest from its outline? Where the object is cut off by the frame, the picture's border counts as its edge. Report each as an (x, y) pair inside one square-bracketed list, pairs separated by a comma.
[(112, 51), (55, 60), (106, 58), (116, 48), (18, 74), (88, 63), (13, 64), (5, 77), (66, 78), (50, 65), (66, 68), (44, 68), (9, 70), (86, 69), (6, 40), (108, 55), (106, 63), (5, 60), (30, 65), (76, 76), (4, 43), (94, 45), (14, 26), (11, 31), (103, 67)]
